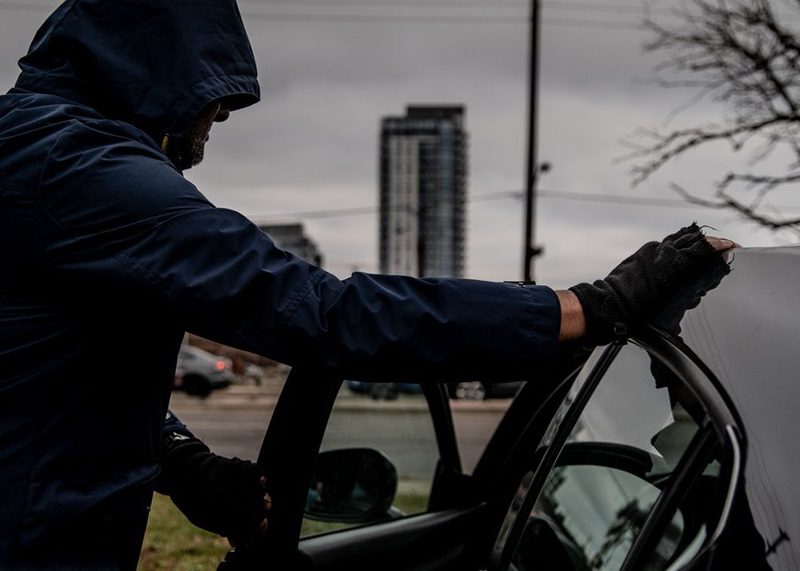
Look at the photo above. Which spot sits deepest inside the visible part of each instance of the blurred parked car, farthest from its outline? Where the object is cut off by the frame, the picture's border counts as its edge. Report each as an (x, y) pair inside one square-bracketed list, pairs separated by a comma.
[(254, 373), (672, 449), (476, 390), (383, 391), (199, 373)]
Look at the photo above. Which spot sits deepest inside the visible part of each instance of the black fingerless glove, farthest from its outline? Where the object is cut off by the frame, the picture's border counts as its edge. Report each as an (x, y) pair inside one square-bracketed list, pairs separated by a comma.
[(641, 285), (218, 494)]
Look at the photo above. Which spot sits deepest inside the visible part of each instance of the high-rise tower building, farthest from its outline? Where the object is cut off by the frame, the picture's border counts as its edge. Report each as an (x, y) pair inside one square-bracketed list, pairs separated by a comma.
[(423, 180)]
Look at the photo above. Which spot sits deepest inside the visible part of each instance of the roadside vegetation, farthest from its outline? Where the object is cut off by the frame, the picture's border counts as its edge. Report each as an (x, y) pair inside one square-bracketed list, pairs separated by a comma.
[(172, 543)]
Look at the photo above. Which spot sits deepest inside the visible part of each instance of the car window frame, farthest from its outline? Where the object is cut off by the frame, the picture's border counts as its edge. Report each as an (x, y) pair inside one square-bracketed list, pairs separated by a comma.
[(288, 462), (549, 447), (448, 481), (720, 426), (721, 422)]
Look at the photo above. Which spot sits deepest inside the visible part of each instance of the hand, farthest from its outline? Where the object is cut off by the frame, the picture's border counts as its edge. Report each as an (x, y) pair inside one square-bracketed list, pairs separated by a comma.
[(642, 284), (226, 496), (237, 540)]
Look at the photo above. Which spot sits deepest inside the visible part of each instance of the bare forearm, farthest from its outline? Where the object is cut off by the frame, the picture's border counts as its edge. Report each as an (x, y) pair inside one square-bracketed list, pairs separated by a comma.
[(573, 322)]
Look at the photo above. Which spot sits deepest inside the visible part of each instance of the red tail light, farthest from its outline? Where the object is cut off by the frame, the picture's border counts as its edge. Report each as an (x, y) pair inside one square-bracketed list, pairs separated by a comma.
[(220, 365)]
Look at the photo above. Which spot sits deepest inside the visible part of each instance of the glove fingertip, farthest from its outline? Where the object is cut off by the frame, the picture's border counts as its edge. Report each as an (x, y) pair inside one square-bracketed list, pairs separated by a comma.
[(692, 228)]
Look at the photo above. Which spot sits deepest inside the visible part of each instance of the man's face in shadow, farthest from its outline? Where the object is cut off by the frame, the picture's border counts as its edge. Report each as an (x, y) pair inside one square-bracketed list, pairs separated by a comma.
[(197, 135)]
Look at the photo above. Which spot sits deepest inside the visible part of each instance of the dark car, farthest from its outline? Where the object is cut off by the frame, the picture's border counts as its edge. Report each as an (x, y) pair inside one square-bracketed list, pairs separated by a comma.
[(674, 448), (383, 391), (476, 390), (199, 372), (468, 390)]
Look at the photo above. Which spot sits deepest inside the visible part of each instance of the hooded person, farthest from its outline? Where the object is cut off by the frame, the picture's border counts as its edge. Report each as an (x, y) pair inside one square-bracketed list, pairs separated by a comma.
[(110, 255)]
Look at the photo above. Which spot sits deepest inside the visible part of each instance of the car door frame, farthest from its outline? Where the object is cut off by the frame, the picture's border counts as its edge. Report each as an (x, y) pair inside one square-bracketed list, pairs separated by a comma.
[(724, 421), (472, 505), (459, 507), (288, 464)]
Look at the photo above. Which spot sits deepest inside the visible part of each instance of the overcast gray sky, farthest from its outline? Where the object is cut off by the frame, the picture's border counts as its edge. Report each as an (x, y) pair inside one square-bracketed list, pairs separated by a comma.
[(331, 68)]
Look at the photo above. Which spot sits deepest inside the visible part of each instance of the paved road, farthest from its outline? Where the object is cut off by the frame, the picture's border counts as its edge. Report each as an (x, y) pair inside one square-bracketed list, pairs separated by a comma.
[(402, 429)]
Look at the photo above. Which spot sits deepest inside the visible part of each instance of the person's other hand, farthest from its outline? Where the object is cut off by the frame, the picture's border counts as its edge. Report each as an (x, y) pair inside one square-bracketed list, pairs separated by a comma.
[(226, 496), (251, 533)]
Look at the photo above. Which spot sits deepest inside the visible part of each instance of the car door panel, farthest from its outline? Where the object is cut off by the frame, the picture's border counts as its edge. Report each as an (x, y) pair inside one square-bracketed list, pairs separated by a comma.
[(428, 542)]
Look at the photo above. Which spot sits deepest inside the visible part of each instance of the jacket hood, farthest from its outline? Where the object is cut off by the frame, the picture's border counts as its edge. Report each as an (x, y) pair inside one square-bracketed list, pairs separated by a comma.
[(152, 63)]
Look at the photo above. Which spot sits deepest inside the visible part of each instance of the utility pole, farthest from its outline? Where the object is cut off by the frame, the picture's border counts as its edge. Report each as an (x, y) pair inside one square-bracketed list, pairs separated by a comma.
[(531, 251)]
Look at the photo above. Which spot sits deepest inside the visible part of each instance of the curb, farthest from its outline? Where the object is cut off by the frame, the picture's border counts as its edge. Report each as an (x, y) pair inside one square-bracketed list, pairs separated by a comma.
[(219, 401)]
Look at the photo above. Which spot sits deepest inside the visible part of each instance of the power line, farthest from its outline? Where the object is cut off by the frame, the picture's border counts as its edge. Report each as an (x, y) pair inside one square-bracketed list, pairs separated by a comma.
[(616, 199), (503, 195), (557, 21), (439, 19), (330, 213), (390, 18), (428, 5), (476, 5), (605, 199), (380, 18), (521, 5)]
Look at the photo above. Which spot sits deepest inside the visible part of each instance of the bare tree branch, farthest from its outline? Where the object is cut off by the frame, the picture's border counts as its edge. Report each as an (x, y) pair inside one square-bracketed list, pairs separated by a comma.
[(740, 55), (727, 202), (669, 146)]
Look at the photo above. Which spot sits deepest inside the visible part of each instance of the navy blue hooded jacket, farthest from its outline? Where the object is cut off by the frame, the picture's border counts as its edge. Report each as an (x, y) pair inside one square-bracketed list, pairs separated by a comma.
[(109, 255)]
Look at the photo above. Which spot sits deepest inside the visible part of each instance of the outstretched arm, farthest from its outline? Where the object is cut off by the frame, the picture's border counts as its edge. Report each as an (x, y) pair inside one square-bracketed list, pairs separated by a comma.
[(639, 287)]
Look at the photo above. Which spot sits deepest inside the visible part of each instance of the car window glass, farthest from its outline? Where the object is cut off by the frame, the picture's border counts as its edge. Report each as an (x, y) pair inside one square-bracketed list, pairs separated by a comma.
[(477, 410), (631, 435), (393, 419)]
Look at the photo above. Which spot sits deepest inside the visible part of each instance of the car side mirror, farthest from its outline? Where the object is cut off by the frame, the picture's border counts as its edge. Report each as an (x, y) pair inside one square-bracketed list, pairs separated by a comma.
[(352, 485)]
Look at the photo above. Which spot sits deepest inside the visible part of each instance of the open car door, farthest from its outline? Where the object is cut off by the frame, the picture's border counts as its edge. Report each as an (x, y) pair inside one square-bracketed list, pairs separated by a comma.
[(358, 482)]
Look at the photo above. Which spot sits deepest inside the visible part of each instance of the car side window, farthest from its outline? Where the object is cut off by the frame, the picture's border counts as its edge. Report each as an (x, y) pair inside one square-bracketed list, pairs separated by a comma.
[(380, 432), (616, 463)]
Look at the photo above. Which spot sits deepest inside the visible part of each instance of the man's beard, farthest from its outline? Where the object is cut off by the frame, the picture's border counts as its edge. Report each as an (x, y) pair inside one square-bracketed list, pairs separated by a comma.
[(195, 150), (191, 147), (188, 151), (193, 144)]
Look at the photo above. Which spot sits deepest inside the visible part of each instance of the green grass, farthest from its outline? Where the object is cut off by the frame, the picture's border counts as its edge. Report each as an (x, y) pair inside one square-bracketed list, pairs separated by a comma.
[(172, 543), (411, 503)]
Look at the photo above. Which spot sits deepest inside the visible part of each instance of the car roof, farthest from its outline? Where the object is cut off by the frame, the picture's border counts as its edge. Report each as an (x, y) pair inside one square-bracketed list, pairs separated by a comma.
[(746, 332)]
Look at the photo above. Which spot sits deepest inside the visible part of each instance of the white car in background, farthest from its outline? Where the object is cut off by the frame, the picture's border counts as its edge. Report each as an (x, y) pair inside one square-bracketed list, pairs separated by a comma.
[(199, 373)]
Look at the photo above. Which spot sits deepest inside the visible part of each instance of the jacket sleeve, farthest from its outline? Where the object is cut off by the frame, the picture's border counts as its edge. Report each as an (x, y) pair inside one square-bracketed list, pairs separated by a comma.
[(126, 229), (175, 426)]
